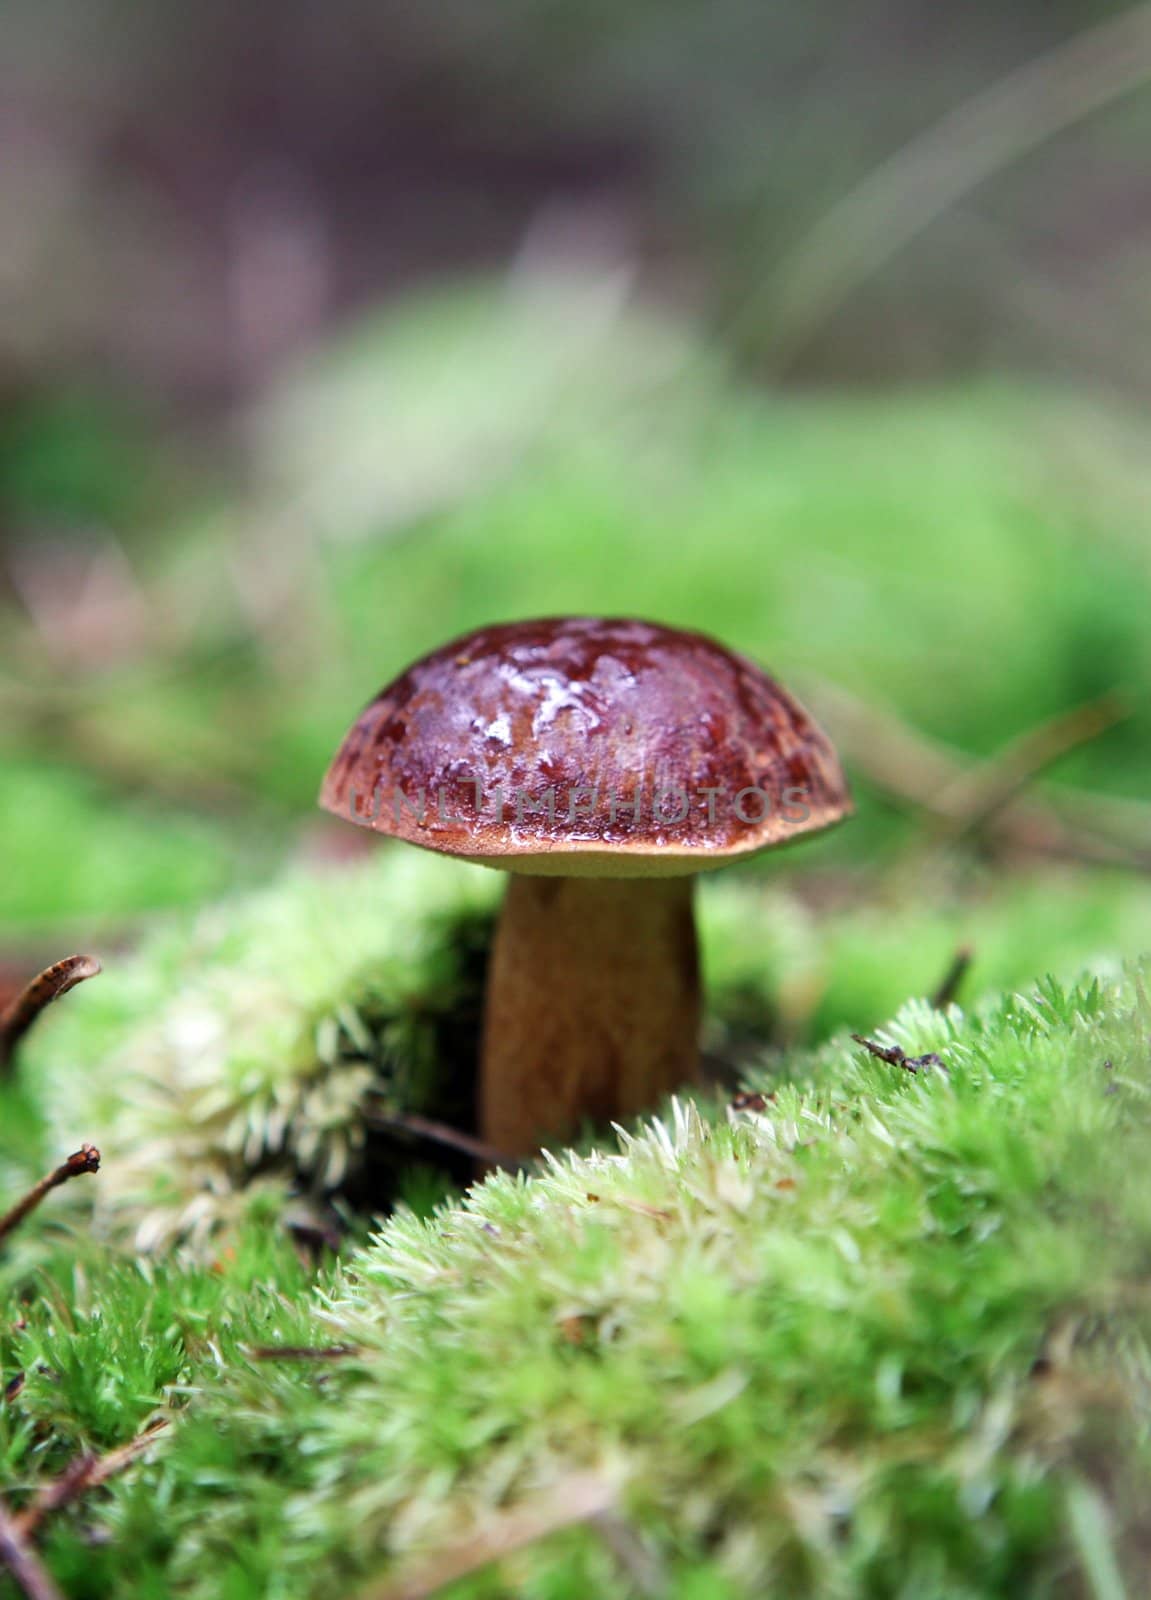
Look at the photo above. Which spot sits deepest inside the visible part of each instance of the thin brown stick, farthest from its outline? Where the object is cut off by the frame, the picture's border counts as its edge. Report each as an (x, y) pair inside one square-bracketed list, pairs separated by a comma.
[(895, 1057), (636, 1206), (580, 1498), (49, 985), (918, 771), (905, 763), (80, 1476), (22, 1562), (303, 1352), (639, 1564), (953, 978), (981, 793), (442, 1133), (86, 1159), (1116, 817), (968, 145)]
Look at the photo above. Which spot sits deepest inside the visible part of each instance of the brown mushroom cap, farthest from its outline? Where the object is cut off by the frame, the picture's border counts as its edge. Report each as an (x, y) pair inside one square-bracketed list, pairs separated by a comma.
[(587, 746)]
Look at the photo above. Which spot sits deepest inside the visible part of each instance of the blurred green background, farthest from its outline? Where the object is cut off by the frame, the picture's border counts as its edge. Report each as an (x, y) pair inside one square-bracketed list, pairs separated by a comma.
[(325, 335)]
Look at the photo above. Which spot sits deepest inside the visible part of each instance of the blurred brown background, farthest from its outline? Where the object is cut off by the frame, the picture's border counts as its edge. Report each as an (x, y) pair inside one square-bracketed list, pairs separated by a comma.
[(191, 193)]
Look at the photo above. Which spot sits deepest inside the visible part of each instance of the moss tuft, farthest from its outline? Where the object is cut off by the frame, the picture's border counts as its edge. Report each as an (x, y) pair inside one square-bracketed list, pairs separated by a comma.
[(255, 1047), (888, 1336)]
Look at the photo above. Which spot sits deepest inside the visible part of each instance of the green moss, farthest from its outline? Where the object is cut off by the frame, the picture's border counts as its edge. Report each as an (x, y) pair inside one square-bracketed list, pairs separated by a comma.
[(887, 1337), (253, 1045)]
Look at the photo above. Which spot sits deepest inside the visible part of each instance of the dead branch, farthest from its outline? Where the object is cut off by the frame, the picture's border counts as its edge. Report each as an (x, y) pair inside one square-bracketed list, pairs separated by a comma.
[(943, 163), (85, 1473), (86, 1159), (895, 1057), (580, 1498), (303, 1352), (22, 1562), (953, 978), (440, 1133), (638, 1563), (49, 985), (982, 792), (917, 771)]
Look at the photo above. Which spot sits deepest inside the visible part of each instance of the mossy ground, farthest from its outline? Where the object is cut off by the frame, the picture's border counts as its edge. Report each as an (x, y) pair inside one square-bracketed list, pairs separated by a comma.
[(885, 1336)]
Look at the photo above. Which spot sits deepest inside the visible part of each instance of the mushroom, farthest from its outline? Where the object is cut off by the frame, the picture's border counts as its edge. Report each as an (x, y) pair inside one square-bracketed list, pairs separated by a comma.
[(603, 763)]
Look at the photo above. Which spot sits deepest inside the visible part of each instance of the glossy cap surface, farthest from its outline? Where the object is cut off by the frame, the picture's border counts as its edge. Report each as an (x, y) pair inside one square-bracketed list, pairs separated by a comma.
[(587, 745)]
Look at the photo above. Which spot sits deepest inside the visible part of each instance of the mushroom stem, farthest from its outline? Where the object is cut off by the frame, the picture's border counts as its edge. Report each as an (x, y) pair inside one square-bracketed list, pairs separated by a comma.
[(592, 1004)]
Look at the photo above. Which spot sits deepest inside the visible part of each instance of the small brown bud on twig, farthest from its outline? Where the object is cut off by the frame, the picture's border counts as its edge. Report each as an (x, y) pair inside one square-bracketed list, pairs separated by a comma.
[(86, 1159), (750, 1100), (49, 985)]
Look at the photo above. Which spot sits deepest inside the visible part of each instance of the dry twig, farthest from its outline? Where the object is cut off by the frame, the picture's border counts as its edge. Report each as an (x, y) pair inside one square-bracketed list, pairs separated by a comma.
[(581, 1498), (86, 1159), (953, 978), (441, 1133), (945, 162), (895, 1057), (915, 770), (85, 1473), (636, 1560), (22, 1562), (303, 1352), (49, 985), (982, 792), (636, 1206)]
